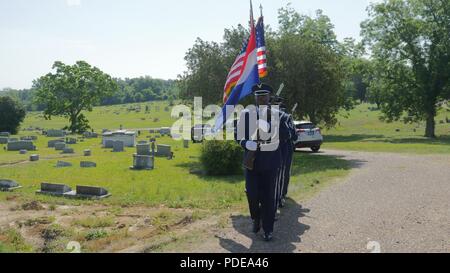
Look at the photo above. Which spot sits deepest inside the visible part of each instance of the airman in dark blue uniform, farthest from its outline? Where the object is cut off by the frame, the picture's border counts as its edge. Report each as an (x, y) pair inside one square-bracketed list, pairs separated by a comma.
[(287, 152), (262, 159)]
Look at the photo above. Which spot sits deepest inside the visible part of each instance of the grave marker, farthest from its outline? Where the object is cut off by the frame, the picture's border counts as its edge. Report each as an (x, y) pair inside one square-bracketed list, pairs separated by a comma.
[(62, 164), (54, 189), (20, 145), (8, 185), (88, 164), (118, 146)]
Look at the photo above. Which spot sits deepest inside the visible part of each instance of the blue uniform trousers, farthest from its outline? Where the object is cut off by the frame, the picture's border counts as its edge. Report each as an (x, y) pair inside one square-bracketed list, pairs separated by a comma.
[(261, 194)]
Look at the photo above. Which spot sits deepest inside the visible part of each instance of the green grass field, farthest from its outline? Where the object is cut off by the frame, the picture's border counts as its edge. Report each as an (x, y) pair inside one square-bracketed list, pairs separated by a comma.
[(173, 183), (363, 131)]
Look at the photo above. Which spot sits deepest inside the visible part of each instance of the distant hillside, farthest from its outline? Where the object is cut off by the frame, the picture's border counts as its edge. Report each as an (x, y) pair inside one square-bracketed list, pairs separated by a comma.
[(142, 89)]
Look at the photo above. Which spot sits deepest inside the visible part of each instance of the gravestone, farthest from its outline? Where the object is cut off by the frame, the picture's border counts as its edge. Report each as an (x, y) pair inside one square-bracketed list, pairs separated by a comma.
[(143, 162), (8, 185), (20, 145), (34, 157), (163, 150), (143, 149), (55, 133), (4, 140), (60, 146), (22, 152), (165, 131), (34, 137), (5, 134), (71, 140), (54, 189), (90, 135), (87, 152), (109, 144), (51, 143), (62, 164), (88, 164), (68, 150), (91, 192), (26, 138), (118, 146), (142, 142), (186, 143)]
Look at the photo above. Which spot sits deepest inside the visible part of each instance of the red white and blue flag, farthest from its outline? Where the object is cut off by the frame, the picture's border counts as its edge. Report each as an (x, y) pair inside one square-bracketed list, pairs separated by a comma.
[(261, 51), (245, 71)]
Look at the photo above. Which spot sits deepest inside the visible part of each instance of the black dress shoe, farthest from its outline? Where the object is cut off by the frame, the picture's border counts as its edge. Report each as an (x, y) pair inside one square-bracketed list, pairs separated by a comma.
[(256, 226), (268, 236)]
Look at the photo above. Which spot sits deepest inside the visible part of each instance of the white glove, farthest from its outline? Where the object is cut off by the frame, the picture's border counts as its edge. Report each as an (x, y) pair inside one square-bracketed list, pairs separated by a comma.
[(264, 126), (251, 146)]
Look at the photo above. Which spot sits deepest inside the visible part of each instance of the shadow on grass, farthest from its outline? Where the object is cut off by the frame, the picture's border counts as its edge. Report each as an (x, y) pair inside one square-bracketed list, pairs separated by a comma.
[(441, 140), (287, 233), (307, 162), (196, 168), (351, 138), (302, 163)]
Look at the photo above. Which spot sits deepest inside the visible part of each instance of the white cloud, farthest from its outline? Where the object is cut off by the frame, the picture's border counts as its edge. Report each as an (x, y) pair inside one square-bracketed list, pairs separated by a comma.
[(73, 3)]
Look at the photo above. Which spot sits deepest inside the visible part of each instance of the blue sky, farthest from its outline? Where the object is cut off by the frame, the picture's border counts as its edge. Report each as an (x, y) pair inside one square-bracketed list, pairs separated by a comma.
[(135, 37)]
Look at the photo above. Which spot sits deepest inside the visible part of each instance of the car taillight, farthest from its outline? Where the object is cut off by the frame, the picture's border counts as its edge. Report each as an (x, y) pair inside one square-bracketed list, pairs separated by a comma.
[(318, 131)]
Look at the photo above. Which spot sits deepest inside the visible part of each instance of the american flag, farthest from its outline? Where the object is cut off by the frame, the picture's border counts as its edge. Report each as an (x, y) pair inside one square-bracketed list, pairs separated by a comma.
[(261, 45), (235, 71)]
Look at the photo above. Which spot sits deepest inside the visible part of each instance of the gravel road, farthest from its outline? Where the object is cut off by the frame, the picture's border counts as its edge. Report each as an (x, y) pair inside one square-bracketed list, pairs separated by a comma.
[(388, 203)]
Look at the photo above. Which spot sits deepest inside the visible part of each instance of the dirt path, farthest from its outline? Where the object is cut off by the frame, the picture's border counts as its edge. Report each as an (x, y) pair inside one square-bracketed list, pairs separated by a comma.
[(398, 202)]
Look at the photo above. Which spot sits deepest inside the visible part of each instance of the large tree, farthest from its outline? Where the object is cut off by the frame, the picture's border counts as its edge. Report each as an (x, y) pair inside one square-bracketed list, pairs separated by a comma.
[(206, 72), (313, 75), (303, 54), (71, 90), (410, 44), (12, 114)]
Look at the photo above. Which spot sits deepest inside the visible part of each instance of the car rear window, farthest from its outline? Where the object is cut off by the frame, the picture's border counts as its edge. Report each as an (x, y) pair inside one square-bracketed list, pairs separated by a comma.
[(306, 126)]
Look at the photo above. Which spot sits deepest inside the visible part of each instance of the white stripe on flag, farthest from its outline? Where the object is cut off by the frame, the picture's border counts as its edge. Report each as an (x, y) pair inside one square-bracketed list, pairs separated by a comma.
[(261, 66), (236, 74), (251, 62)]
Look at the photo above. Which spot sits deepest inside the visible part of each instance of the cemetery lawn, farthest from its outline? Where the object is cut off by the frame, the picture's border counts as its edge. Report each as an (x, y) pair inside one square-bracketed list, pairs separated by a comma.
[(363, 131), (151, 209), (144, 205)]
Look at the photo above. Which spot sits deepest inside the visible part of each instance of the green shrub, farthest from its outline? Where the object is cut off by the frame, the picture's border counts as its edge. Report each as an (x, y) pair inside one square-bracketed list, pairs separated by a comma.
[(221, 157), (96, 234)]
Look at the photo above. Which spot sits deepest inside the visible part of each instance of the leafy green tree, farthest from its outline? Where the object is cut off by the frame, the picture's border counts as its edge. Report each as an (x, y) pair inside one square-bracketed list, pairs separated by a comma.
[(410, 42), (71, 90), (303, 54), (206, 73), (318, 28), (312, 74), (12, 114)]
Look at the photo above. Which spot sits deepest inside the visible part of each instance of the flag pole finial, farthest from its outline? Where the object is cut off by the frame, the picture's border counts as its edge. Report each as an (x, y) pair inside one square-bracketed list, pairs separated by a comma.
[(261, 9)]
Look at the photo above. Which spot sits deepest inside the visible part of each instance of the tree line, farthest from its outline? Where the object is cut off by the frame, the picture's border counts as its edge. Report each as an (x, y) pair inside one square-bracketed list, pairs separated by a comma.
[(129, 90), (402, 63)]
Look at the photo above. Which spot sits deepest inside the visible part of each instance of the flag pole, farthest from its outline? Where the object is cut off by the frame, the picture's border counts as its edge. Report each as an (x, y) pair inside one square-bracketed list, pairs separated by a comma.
[(252, 20), (261, 9)]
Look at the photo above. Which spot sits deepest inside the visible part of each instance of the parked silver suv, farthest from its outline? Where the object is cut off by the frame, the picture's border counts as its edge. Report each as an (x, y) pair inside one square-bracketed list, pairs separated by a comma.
[(309, 136)]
